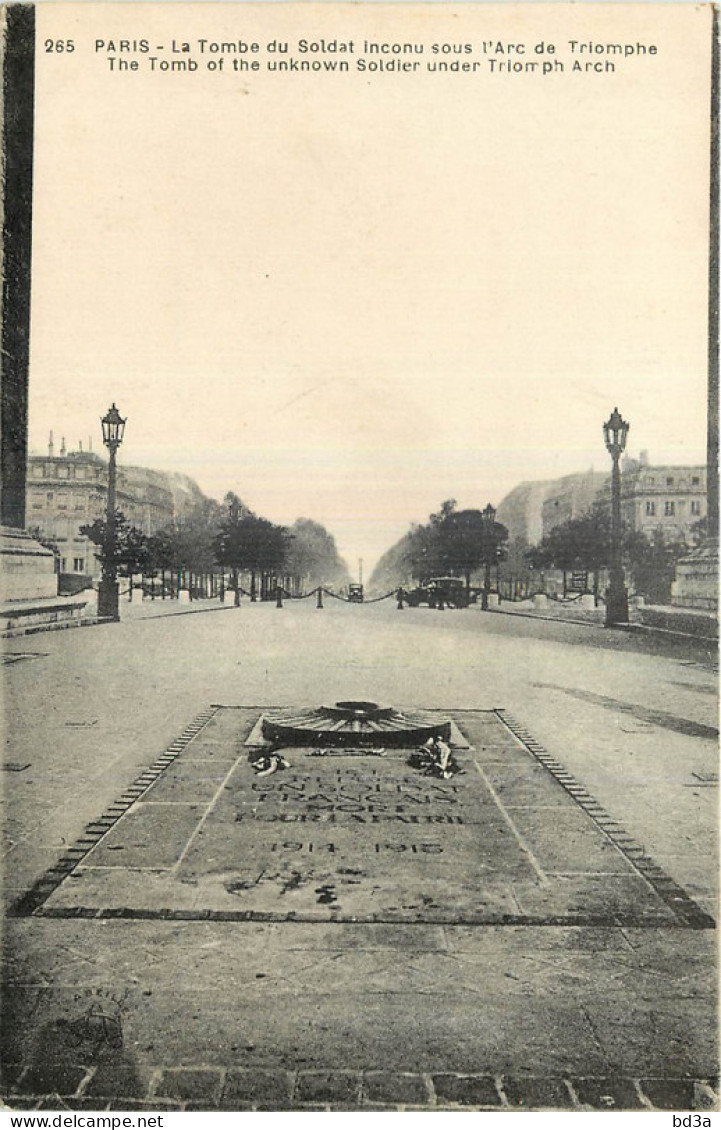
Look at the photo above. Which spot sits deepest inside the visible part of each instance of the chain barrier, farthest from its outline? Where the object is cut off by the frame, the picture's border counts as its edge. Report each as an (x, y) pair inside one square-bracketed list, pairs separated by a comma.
[(336, 596), (398, 593), (510, 593), (273, 594)]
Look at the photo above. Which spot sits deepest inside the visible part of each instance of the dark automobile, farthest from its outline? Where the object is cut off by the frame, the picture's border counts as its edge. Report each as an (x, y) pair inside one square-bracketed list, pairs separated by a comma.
[(355, 594), (450, 591)]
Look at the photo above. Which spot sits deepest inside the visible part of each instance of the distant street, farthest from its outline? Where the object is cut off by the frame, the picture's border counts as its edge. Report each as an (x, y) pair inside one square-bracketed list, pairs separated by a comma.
[(632, 719)]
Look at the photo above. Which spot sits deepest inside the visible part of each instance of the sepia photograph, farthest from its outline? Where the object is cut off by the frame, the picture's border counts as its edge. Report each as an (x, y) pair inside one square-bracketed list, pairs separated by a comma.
[(359, 560)]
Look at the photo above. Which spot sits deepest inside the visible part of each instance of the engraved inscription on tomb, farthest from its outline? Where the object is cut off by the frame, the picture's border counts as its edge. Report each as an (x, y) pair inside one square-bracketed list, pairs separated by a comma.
[(348, 796)]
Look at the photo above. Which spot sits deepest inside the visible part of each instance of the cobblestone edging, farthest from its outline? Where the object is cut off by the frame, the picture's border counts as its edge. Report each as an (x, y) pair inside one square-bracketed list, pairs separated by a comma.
[(96, 829), (213, 1088), (688, 912)]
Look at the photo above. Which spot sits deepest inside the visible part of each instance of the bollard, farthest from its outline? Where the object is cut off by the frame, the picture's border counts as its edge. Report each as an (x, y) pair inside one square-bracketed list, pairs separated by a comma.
[(278, 596), (319, 602), (400, 600)]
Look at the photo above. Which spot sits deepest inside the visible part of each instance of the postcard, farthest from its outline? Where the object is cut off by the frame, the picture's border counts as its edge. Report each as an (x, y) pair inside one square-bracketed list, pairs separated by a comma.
[(359, 425)]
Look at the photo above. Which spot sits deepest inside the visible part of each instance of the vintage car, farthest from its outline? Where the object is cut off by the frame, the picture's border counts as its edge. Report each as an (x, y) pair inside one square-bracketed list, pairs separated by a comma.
[(440, 591), (355, 594)]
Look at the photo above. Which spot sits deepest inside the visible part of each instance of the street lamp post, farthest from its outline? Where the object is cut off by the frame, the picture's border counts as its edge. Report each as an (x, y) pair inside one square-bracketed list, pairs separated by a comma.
[(108, 602), (615, 433), (234, 513), (489, 518)]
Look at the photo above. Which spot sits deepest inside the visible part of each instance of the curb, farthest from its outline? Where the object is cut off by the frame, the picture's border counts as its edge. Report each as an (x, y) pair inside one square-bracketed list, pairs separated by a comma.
[(629, 628)]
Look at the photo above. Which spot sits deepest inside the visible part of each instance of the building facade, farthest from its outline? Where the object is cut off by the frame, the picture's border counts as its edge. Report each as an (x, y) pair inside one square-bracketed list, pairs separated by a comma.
[(571, 497), (666, 499), (70, 490), (670, 500)]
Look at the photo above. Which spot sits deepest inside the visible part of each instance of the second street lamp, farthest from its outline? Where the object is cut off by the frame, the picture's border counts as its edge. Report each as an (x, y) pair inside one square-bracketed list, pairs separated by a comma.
[(615, 434), (489, 520), (108, 601), (234, 515)]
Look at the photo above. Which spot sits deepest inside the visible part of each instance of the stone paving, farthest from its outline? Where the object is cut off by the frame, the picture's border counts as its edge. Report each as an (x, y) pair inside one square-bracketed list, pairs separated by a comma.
[(255, 1003), (174, 1010), (215, 1089)]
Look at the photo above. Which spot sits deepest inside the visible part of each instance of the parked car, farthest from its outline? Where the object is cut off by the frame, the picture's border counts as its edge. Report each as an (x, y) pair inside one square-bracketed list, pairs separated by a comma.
[(355, 594), (449, 591)]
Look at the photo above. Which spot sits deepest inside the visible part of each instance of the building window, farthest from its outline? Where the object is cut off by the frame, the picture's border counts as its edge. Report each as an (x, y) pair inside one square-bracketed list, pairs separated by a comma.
[(650, 508), (695, 506), (62, 502), (79, 504), (650, 480), (37, 471), (669, 481), (695, 481), (63, 564), (669, 509), (78, 564), (49, 497)]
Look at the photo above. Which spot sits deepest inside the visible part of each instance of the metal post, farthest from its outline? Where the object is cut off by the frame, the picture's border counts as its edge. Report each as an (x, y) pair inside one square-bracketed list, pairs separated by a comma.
[(616, 593), (278, 596), (401, 606), (486, 585), (489, 520), (615, 431), (108, 596), (319, 602)]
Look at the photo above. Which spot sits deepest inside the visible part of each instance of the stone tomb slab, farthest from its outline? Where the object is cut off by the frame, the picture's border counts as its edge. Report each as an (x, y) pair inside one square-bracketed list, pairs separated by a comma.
[(357, 836)]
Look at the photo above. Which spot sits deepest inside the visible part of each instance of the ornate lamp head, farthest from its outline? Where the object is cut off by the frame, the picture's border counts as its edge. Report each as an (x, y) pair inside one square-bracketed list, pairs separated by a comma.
[(615, 433), (113, 428)]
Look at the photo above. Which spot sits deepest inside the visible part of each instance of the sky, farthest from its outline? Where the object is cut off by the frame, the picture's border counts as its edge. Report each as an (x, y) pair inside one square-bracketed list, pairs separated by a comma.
[(349, 297)]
